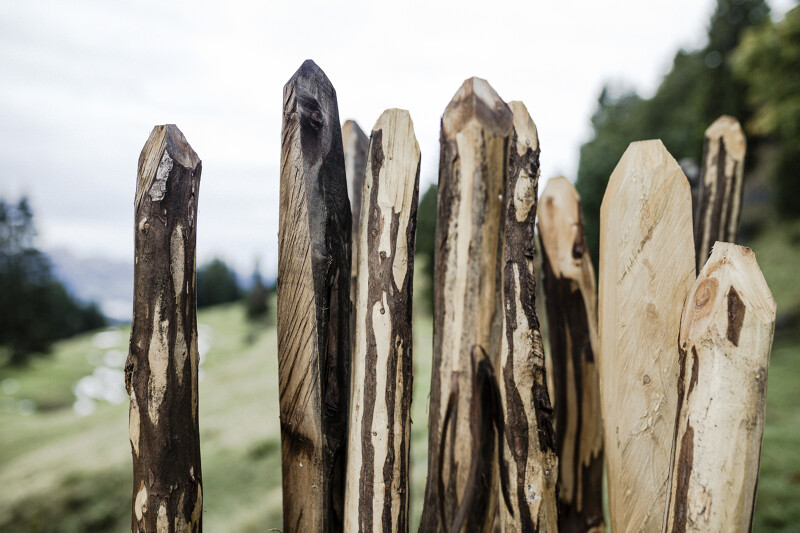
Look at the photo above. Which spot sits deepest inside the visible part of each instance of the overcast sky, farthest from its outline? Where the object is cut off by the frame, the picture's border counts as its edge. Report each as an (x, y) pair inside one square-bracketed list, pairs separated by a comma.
[(83, 82)]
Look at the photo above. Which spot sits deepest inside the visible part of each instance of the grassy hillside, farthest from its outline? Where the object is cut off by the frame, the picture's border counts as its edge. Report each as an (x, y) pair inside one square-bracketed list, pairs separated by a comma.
[(61, 471)]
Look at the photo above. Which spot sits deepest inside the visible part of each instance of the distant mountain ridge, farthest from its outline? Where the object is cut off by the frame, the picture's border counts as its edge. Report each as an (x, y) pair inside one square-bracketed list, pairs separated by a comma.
[(105, 281)]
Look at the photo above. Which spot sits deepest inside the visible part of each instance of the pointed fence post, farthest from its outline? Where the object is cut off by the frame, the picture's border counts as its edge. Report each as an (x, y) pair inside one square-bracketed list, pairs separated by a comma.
[(646, 270), (376, 497), (356, 146), (719, 199), (529, 453), (465, 414), (313, 305), (724, 345), (161, 370), (571, 303)]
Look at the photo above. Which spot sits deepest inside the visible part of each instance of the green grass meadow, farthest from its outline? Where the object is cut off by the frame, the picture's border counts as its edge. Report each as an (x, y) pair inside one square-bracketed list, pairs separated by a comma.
[(63, 471)]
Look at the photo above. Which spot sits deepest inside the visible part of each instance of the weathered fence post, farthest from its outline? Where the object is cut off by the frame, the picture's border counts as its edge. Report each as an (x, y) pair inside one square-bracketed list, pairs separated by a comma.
[(161, 370), (646, 271), (719, 198), (313, 304), (571, 304), (724, 345), (376, 497), (463, 445), (356, 146), (528, 446)]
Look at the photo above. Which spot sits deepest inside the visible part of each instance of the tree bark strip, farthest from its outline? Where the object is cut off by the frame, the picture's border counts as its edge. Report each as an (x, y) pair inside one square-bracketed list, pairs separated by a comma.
[(462, 464), (313, 305), (529, 447), (161, 370), (724, 346), (571, 304), (376, 497), (356, 146), (646, 271), (719, 201)]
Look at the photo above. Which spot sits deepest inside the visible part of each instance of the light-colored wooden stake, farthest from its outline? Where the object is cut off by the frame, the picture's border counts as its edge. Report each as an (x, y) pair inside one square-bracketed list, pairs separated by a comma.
[(356, 146), (719, 198), (646, 270), (161, 370), (724, 345), (571, 304), (528, 447), (313, 305), (465, 411), (376, 497)]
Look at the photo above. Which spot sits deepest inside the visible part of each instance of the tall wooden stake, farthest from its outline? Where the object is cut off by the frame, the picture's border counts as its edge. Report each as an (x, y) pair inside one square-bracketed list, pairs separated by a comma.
[(719, 199), (571, 304), (529, 447), (356, 146), (646, 270), (376, 498), (724, 345), (161, 370), (464, 409), (313, 305)]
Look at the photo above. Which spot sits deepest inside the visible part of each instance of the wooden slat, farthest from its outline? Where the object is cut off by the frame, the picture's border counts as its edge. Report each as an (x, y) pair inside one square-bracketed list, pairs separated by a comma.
[(725, 340), (647, 267), (356, 146), (313, 305), (161, 370), (719, 198), (530, 463), (376, 497), (462, 446), (571, 303)]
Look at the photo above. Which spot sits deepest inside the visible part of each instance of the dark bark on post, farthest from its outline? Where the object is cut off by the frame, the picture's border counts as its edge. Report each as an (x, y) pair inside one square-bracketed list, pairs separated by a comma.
[(529, 447), (356, 146), (465, 422), (376, 498), (161, 370), (313, 305), (719, 198), (571, 304)]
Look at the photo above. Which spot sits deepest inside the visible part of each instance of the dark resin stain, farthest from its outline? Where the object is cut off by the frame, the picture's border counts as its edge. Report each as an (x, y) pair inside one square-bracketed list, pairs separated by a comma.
[(736, 310)]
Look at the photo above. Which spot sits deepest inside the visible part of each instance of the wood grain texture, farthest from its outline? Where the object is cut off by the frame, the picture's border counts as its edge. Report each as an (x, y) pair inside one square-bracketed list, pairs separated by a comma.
[(161, 370), (719, 198), (313, 305), (376, 497), (646, 271), (724, 346), (571, 304), (529, 453), (356, 147), (465, 413)]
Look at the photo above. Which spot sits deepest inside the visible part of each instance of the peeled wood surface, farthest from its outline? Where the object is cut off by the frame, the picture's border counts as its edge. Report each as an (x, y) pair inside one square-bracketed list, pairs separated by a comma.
[(376, 497), (161, 370), (356, 146), (725, 340), (529, 453), (646, 271), (462, 457), (313, 305), (719, 201), (571, 305)]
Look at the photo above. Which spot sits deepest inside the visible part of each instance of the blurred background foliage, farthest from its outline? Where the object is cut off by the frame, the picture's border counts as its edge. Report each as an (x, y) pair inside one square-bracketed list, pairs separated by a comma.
[(749, 69), (35, 308)]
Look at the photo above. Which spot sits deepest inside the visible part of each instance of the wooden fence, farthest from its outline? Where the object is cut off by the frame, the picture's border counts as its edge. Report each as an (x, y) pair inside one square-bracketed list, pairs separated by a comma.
[(661, 377)]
